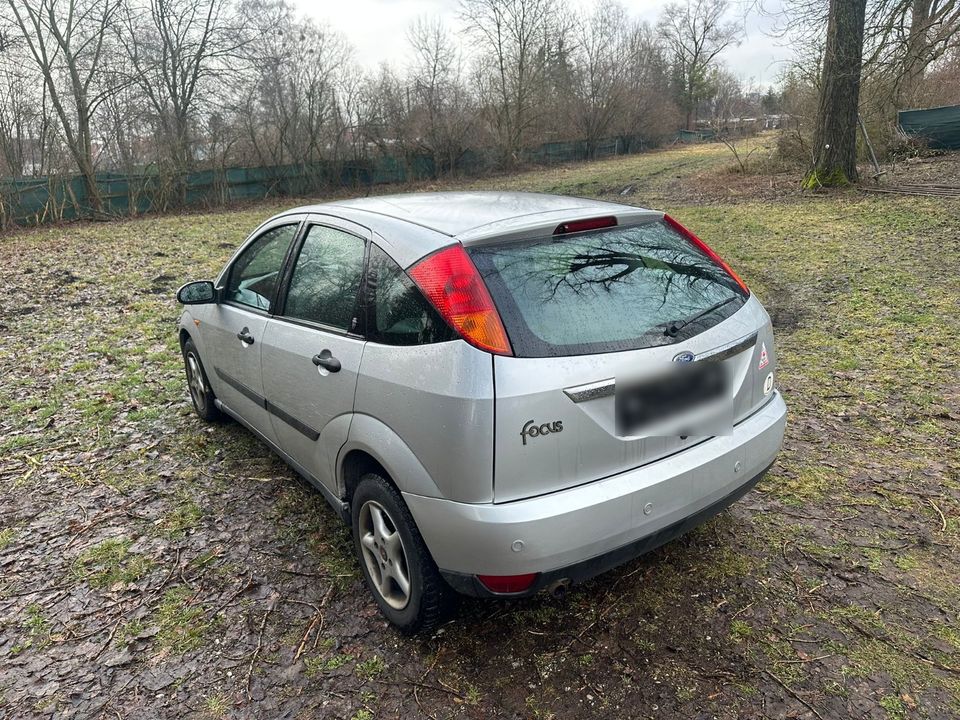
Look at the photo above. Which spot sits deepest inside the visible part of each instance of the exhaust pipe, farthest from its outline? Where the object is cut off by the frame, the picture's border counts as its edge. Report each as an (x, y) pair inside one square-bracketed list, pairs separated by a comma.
[(558, 588)]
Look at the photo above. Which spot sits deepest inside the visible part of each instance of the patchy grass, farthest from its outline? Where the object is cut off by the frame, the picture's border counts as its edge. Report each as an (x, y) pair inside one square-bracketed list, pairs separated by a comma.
[(225, 584), (182, 621), (111, 564), (6, 537), (319, 665), (369, 669)]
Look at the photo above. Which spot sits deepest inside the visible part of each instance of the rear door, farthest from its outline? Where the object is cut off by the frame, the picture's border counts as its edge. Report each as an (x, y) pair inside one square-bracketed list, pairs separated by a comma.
[(587, 311), (233, 329), (311, 350)]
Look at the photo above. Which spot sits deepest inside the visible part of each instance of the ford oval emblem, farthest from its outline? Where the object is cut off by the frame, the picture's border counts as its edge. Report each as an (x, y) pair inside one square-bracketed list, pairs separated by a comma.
[(684, 357)]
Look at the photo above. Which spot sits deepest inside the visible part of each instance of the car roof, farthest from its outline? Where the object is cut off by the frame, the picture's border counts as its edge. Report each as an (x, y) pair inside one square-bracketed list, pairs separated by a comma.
[(470, 217)]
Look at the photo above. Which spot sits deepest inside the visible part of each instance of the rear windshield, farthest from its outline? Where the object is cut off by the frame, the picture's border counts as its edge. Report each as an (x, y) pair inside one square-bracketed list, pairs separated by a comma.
[(617, 289)]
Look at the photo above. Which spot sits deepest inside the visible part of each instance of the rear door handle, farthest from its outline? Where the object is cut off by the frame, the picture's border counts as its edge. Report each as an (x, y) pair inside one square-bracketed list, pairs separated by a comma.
[(327, 361), (244, 336)]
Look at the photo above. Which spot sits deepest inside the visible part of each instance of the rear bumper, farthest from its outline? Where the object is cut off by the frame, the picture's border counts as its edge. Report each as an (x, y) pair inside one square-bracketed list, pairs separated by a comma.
[(583, 531)]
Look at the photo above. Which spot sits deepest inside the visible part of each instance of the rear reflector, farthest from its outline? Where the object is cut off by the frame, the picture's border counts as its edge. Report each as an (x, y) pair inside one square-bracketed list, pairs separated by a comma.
[(450, 281), (575, 226), (707, 250), (507, 583)]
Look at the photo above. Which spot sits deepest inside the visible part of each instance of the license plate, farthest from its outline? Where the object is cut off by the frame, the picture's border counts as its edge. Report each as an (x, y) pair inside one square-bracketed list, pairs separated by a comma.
[(679, 400)]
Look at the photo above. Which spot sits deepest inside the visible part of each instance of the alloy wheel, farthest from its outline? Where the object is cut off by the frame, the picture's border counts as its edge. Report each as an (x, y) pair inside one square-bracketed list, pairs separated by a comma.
[(195, 381), (384, 555)]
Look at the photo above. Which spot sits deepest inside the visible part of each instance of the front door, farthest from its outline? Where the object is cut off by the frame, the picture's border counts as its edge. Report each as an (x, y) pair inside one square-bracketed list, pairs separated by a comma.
[(235, 327), (310, 354)]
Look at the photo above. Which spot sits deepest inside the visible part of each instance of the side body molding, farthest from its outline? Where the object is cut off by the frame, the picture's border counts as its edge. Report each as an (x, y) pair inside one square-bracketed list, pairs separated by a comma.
[(385, 446)]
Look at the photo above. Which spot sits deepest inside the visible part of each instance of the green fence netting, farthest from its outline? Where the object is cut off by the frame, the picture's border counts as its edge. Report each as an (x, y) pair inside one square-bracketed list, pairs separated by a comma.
[(939, 126), (45, 199)]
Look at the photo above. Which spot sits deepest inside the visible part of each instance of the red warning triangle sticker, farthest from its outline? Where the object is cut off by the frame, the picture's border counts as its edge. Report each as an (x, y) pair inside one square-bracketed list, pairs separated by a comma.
[(764, 358)]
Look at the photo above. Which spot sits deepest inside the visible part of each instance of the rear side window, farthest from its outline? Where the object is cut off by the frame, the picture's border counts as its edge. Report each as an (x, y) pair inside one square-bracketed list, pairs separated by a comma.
[(326, 278), (604, 291), (397, 312)]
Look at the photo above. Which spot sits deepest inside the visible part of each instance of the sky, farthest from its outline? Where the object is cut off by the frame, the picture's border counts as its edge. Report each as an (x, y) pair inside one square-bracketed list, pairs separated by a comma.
[(377, 30)]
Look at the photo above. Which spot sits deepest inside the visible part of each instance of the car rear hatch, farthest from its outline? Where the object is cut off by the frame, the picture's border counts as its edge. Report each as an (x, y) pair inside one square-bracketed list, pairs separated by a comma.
[(594, 302)]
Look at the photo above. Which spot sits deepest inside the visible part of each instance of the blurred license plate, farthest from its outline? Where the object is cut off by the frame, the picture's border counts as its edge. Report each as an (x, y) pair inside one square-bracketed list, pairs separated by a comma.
[(680, 400)]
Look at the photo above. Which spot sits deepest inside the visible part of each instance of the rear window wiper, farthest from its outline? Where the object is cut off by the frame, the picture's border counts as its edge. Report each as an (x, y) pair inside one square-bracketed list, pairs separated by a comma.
[(677, 325)]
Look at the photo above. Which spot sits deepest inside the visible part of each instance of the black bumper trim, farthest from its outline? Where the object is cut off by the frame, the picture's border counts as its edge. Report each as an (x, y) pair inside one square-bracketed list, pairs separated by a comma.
[(586, 569)]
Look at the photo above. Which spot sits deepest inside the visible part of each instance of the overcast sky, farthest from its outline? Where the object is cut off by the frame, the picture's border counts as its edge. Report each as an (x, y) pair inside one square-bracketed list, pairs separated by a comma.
[(377, 29)]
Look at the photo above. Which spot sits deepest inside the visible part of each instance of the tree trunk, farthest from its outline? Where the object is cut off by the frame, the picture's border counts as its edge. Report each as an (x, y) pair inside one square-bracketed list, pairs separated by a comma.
[(85, 160), (916, 57), (835, 137)]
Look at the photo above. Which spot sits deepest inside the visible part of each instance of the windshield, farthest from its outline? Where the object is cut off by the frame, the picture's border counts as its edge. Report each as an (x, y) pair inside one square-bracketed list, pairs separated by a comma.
[(616, 289)]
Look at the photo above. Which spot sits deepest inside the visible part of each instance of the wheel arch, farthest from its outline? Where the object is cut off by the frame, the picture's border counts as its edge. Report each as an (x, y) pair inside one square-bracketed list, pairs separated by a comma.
[(373, 447)]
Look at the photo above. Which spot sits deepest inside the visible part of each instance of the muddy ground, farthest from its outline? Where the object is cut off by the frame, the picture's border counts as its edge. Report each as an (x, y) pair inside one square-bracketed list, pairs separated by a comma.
[(152, 566)]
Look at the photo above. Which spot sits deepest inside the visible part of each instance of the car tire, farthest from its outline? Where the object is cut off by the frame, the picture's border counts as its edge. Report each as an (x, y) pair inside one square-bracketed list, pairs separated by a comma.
[(396, 564), (201, 394)]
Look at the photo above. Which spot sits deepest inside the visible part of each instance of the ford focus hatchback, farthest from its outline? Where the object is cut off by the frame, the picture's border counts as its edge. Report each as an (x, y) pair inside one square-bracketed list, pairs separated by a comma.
[(500, 393)]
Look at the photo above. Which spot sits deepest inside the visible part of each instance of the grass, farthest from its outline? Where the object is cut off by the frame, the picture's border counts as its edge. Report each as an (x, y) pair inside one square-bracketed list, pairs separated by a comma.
[(319, 665), (6, 537), (183, 623), (839, 576), (111, 563)]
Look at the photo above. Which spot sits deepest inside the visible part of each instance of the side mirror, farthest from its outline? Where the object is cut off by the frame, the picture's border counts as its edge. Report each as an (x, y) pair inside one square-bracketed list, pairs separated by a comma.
[(200, 292)]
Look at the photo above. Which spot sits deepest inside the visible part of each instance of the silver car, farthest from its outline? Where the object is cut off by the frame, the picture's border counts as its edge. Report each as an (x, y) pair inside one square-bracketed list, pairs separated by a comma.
[(500, 393)]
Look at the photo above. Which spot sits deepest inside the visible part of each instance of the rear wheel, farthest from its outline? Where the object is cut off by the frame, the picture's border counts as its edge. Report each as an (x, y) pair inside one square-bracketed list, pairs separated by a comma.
[(201, 394), (396, 564)]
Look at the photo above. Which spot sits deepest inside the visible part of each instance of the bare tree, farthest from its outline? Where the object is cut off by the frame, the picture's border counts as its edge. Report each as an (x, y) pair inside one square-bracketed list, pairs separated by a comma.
[(66, 39), (175, 48), (599, 92), (297, 89), (904, 37), (18, 115), (515, 39), (440, 108), (695, 33), (835, 137), (649, 110)]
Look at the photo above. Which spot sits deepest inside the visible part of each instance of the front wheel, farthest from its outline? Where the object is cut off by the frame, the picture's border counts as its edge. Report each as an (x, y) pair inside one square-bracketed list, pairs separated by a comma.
[(201, 394), (396, 564)]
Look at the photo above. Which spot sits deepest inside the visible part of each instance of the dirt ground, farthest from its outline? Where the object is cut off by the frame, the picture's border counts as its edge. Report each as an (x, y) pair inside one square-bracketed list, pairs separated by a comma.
[(155, 567)]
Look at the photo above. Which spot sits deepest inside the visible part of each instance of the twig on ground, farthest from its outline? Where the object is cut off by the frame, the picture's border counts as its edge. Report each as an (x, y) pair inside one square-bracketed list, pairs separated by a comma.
[(256, 652), (794, 695), (246, 586), (742, 610), (113, 632), (420, 705), (943, 519), (425, 686), (801, 661), (915, 653)]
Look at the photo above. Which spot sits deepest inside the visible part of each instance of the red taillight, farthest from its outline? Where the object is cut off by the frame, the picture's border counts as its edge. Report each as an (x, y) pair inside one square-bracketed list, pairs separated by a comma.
[(451, 282), (575, 226), (507, 583), (707, 250)]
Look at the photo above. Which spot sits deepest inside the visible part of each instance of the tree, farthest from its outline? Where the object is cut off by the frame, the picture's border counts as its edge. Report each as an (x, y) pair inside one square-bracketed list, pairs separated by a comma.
[(175, 48), (902, 40), (904, 37), (835, 136), (66, 39), (598, 92), (695, 33), (441, 113), (296, 73), (649, 109), (516, 39)]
